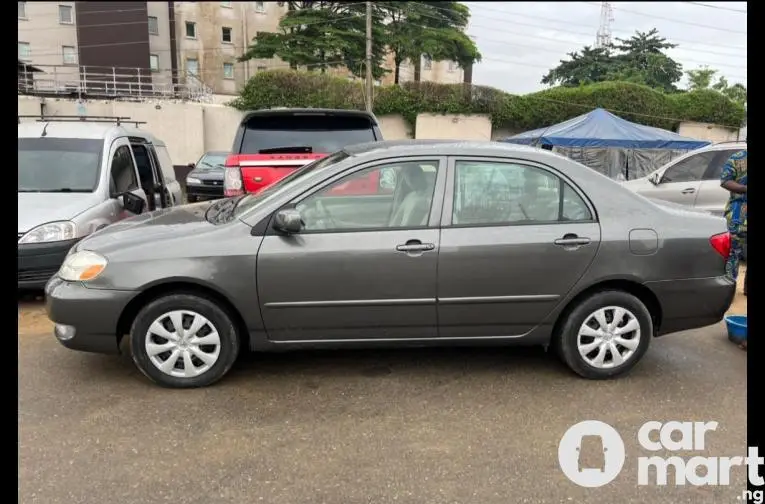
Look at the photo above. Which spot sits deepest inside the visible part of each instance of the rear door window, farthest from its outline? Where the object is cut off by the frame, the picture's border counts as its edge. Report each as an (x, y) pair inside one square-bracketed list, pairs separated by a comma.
[(715, 168), (304, 133), (690, 169)]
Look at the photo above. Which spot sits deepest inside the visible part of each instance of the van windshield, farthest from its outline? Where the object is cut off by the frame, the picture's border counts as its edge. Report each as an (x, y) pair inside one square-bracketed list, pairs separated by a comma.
[(318, 134), (52, 165)]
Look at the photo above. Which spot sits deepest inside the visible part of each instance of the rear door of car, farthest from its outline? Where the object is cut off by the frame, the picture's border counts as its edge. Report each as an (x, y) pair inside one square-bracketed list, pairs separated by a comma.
[(711, 196), (510, 248)]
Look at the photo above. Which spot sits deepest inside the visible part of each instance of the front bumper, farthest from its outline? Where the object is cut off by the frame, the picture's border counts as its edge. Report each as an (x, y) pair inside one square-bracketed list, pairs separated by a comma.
[(86, 319), (206, 190), (38, 262), (693, 303)]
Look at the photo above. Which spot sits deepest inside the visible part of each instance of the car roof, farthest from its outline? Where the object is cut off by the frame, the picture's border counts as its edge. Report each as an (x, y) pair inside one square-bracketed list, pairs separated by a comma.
[(317, 111), (443, 147), (81, 129)]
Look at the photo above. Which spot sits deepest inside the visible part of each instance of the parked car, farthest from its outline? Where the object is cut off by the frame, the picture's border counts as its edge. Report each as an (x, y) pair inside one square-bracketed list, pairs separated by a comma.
[(464, 251), (270, 144), (76, 177), (692, 179), (205, 180)]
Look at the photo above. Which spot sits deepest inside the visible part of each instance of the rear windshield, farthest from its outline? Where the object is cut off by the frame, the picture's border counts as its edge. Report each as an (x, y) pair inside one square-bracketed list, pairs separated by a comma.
[(306, 133), (59, 164)]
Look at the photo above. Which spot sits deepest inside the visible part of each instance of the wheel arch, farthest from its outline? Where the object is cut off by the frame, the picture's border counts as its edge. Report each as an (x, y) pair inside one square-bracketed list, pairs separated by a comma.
[(180, 286), (637, 289)]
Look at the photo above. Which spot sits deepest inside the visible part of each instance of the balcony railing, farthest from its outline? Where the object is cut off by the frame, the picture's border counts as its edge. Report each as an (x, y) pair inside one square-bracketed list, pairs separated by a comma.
[(119, 83)]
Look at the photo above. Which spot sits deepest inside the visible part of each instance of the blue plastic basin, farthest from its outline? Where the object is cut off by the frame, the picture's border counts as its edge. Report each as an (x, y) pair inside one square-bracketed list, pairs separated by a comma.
[(736, 326)]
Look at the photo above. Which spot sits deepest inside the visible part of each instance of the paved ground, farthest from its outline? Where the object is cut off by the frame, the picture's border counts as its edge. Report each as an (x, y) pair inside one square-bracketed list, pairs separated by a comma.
[(414, 426)]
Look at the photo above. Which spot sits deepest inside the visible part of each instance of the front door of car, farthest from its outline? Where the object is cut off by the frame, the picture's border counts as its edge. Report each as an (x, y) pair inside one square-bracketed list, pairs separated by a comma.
[(515, 240), (681, 181), (364, 266), (123, 177), (712, 197)]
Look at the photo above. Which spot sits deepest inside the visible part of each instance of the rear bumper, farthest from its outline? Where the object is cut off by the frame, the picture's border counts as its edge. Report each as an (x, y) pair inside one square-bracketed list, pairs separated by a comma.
[(86, 319), (38, 262), (690, 304)]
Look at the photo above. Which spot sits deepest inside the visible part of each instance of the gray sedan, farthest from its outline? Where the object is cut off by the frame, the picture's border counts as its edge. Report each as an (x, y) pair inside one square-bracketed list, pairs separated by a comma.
[(460, 243)]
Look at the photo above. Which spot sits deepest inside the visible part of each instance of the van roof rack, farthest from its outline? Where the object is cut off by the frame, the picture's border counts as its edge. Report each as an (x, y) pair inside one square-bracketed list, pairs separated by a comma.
[(94, 119)]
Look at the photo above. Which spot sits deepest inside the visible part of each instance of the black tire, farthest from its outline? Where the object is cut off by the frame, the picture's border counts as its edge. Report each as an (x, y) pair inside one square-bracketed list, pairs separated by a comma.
[(566, 337), (191, 198), (219, 318)]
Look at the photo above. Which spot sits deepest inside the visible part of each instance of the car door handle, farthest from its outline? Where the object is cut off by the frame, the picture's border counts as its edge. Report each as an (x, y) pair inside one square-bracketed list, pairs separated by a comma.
[(571, 240), (415, 246), (690, 190)]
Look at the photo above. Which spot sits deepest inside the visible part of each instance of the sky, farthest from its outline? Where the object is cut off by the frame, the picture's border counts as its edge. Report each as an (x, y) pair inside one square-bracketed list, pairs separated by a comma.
[(521, 41)]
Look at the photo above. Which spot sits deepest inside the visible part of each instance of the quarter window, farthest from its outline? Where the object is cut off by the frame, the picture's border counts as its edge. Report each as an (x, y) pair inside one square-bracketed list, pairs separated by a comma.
[(123, 174), (690, 169), (393, 196), (487, 193)]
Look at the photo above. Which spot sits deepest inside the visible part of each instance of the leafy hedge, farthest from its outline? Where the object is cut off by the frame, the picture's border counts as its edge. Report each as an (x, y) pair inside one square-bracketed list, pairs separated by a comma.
[(640, 104)]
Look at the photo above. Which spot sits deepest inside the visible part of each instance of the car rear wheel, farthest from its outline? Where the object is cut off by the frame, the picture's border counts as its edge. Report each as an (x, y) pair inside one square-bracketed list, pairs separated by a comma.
[(605, 335), (184, 341)]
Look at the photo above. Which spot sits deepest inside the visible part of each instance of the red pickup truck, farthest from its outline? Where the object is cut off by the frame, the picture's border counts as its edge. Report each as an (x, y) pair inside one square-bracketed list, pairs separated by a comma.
[(271, 144)]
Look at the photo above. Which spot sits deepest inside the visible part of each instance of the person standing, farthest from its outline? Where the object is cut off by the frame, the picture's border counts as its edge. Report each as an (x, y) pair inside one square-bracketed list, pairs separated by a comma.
[(733, 179)]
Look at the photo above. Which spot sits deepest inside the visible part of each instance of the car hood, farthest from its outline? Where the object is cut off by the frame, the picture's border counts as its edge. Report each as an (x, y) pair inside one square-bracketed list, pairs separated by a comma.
[(207, 173), (150, 229), (40, 208)]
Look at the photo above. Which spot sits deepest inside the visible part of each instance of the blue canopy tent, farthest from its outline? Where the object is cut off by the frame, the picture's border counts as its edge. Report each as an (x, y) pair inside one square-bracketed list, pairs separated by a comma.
[(613, 146)]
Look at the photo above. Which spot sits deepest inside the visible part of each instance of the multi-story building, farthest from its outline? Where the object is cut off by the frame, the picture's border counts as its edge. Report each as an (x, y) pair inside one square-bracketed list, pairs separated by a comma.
[(152, 48)]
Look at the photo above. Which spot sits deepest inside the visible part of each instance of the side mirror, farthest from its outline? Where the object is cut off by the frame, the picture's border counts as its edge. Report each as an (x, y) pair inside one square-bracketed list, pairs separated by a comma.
[(192, 165), (132, 203), (288, 220), (654, 179)]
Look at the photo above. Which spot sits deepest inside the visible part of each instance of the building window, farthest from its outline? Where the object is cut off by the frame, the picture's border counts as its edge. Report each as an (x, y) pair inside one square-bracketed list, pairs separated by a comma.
[(228, 70), (226, 4), (154, 62), (226, 35), (427, 63), (192, 67), (261, 69), (70, 55), (25, 51), (22, 10), (191, 29), (65, 14), (153, 25), (260, 7)]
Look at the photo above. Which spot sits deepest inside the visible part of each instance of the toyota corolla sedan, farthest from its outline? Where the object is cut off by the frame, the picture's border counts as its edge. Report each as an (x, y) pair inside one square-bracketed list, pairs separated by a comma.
[(463, 243)]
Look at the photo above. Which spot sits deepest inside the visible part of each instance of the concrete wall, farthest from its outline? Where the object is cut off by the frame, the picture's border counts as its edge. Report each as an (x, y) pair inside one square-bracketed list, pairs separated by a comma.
[(451, 127), (711, 132)]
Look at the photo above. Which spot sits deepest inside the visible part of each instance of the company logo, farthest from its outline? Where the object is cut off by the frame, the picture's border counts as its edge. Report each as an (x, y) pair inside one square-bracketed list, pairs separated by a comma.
[(571, 451)]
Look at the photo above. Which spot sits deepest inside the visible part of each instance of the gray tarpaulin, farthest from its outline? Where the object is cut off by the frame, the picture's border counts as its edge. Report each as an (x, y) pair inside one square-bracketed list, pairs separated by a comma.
[(621, 164)]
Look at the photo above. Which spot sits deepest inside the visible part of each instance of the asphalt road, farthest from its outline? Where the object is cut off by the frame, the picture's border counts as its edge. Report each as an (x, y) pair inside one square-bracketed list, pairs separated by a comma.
[(414, 426)]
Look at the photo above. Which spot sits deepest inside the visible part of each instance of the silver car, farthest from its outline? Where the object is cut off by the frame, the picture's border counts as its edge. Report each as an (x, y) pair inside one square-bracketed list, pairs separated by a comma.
[(474, 243), (692, 179), (76, 177)]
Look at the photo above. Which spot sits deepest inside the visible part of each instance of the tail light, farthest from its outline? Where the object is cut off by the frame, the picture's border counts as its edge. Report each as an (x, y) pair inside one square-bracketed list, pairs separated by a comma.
[(721, 244), (232, 177)]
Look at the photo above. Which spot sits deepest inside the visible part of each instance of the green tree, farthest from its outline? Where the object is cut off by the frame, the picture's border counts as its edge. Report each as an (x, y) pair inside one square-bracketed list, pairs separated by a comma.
[(432, 29), (321, 35), (639, 59), (703, 78)]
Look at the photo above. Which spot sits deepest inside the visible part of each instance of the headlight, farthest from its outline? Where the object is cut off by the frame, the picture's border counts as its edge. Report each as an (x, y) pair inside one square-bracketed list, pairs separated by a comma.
[(51, 232), (192, 180), (82, 266)]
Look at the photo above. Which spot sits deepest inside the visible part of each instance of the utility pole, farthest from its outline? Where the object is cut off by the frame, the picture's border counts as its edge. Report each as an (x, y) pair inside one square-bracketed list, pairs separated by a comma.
[(369, 83)]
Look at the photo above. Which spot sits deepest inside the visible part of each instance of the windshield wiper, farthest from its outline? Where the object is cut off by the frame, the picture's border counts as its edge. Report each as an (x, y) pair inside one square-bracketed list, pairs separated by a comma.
[(302, 149)]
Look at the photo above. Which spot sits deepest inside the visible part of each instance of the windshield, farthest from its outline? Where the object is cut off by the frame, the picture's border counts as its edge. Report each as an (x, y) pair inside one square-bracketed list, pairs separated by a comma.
[(59, 164), (251, 200), (305, 133), (212, 160)]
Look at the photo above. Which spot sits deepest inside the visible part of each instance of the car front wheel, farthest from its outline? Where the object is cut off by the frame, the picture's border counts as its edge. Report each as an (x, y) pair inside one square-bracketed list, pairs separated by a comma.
[(184, 341), (605, 335)]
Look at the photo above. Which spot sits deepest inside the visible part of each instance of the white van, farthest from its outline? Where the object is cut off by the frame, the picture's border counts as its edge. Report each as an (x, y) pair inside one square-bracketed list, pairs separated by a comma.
[(77, 176)]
